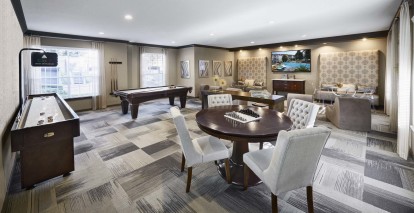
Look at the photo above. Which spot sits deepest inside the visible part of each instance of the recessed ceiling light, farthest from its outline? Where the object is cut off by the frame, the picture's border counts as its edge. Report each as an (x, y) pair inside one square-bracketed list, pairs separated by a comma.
[(252, 42), (364, 39), (173, 42), (296, 45), (212, 34), (303, 36), (101, 33), (128, 17), (241, 51), (271, 22), (260, 48), (281, 46), (324, 43)]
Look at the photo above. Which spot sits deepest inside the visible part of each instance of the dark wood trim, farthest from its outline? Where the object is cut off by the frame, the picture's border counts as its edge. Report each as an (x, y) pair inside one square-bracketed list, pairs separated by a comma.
[(379, 34), (18, 9), (89, 38), (211, 47), (204, 46)]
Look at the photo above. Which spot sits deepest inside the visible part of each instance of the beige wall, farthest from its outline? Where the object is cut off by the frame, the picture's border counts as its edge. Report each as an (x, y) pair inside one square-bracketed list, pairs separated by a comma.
[(202, 53), (183, 55), (312, 79), (11, 41)]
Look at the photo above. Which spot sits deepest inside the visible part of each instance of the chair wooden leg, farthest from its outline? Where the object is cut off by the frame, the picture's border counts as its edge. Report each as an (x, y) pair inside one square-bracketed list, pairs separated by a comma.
[(261, 145), (246, 177), (228, 176), (310, 198), (182, 163), (189, 175), (274, 203)]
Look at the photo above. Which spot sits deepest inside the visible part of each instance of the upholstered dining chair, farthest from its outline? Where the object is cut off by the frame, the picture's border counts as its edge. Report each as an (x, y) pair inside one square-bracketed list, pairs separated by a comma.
[(302, 113), (201, 150), (219, 100), (291, 164), (304, 97)]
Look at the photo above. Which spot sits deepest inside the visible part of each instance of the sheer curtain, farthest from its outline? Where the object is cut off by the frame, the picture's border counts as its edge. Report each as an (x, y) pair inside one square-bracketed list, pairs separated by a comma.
[(31, 79), (99, 100), (391, 78), (404, 83), (152, 67)]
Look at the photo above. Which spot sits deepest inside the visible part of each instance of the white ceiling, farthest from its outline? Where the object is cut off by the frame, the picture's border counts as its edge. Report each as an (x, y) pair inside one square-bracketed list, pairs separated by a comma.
[(234, 23)]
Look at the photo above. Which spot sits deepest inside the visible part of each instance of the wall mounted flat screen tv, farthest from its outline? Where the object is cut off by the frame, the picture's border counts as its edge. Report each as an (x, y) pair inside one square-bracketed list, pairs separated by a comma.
[(291, 61)]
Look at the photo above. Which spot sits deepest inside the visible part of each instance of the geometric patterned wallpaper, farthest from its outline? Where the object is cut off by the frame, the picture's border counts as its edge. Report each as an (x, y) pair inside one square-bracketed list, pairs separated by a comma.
[(252, 68), (353, 67)]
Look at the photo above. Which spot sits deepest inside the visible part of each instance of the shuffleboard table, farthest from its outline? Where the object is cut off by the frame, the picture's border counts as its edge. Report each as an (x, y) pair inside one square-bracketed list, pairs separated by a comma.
[(134, 97)]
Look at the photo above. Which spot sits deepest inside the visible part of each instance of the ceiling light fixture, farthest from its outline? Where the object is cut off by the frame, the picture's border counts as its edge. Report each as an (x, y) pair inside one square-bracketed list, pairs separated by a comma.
[(128, 17), (252, 42), (101, 33), (296, 45), (281, 46), (303, 36), (364, 39), (241, 51), (212, 34), (173, 42), (260, 49), (324, 43), (271, 22)]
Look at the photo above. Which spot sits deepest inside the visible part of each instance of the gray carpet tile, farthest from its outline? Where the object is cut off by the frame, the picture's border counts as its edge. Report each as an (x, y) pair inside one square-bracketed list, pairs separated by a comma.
[(117, 151), (125, 165)]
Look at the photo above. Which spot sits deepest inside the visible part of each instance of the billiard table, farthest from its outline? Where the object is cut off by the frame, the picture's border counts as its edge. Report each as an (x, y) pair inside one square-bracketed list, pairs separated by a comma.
[(134, 97)]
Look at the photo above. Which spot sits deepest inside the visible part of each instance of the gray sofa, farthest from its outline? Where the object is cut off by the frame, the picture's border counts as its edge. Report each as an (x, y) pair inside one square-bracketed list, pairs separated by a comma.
[(350, 113)]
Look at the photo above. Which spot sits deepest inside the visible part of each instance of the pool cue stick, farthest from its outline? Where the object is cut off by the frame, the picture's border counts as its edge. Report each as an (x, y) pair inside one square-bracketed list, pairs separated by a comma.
[(116, 74), (110, 62)]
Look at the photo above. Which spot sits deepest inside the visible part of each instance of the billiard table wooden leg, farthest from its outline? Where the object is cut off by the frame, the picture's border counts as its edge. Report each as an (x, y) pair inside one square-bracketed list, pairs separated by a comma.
[(134, 110), (124, 105), (183, 101), (171, 100)]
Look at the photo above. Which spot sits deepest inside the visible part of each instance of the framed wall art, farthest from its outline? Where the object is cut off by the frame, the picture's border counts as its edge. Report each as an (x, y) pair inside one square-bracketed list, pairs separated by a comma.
[(185, 69), (203, 68), (228, 68), (217, 68)]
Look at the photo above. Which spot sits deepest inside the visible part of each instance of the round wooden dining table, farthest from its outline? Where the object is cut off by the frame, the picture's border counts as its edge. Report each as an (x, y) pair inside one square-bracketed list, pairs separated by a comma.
[(213, 122)]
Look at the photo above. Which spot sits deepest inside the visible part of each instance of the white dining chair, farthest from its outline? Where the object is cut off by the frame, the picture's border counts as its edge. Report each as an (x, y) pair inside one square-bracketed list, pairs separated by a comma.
[(200, 150), (219, 100), (291, 164), (302, 113)]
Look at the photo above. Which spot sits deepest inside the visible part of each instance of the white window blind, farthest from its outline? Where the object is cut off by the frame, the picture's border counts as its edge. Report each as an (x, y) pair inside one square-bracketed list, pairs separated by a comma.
[(75, 76), (152, 72)]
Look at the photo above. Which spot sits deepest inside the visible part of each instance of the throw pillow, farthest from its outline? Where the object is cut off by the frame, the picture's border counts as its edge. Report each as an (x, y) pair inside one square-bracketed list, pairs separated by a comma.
[(347, 88), (249, 82), (259, 83)]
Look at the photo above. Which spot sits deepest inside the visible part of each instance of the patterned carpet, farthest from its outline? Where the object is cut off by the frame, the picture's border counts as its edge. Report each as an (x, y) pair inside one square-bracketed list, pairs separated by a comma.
[(124, 165)]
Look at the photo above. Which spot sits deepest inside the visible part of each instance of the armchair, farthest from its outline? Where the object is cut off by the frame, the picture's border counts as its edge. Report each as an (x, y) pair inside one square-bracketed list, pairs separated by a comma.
[(350, 113)]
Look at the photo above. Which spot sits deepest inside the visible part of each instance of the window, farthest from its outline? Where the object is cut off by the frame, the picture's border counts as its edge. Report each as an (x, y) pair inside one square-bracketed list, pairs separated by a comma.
[(75, 76), (152, 67)]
